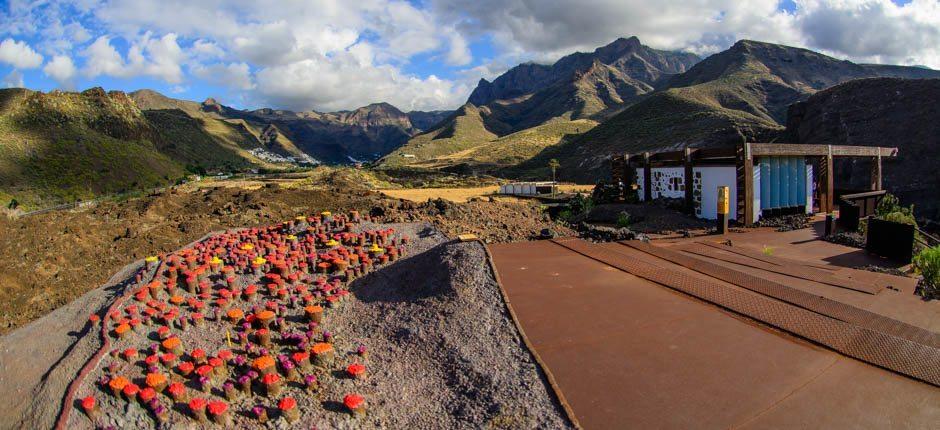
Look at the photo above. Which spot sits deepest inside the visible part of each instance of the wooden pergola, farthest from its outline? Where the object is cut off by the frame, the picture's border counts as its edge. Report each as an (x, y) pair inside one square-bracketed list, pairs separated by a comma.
[(742, 157)]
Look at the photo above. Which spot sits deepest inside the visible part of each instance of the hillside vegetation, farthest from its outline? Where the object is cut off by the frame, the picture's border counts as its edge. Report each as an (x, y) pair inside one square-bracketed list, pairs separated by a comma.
[(66, 146)]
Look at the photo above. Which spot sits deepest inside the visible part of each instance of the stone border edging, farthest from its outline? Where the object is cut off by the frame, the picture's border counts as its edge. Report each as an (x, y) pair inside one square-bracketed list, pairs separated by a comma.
[(556, 390)]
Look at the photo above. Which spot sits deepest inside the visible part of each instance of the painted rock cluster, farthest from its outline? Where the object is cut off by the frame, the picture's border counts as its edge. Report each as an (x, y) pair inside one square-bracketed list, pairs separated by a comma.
[(237, 326)]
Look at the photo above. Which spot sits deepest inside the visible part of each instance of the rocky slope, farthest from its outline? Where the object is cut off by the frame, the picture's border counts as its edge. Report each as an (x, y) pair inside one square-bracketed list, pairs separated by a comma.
[(363, 134), (635, 64), (901, 113), (580, 86), (736, 95)]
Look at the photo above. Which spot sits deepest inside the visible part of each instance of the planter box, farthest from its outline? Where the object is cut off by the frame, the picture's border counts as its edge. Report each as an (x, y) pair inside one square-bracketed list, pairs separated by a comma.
[(890, 239)]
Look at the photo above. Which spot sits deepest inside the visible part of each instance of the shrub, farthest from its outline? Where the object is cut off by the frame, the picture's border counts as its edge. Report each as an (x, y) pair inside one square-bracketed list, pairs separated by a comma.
[(900, 217), (927, 263), (580, 204), (623, 220)]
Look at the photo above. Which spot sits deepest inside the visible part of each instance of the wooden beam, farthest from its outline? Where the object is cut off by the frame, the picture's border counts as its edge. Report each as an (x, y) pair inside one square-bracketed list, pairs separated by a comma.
[(790, 149), (689, 202), (647, 178), (876, 173), (711, 153), (748, 195)]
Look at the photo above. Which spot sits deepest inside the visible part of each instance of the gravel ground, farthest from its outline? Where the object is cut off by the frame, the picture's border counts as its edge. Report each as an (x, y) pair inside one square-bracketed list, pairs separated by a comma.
[(460, 362), (443, 353)]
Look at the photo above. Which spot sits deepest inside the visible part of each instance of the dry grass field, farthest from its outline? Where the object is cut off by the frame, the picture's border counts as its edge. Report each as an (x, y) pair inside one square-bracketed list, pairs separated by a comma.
[(461, 195)]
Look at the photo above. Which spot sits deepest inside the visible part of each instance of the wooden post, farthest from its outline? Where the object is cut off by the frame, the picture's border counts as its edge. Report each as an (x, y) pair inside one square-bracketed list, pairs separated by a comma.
[(724, 196), (689, 202), (830, 182), (627, 180), (748, 186), (876, 173), (647, 178)]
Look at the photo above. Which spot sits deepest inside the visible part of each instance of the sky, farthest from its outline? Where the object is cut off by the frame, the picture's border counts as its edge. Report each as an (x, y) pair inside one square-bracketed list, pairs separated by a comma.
[(329, 55)]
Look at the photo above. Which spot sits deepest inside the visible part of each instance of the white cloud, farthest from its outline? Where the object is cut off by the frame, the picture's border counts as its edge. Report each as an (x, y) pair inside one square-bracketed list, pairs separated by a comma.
[(207, 50), (459, 53), (14, 79), (160, 58), (357, 52), (19, 54), (234, 75), (102, 59), (860, 30), (62, 70), (874, 30), (342, 81)]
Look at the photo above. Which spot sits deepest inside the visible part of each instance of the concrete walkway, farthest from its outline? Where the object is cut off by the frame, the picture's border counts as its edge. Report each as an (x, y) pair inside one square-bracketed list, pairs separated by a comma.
[(628, 353)]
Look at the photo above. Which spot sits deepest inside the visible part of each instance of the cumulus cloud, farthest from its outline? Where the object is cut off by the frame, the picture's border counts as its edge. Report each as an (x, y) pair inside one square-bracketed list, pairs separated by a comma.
[(19, 54), (157, 57), (62, 70), (861, 30), (342, 81), (234, 75), (14, 79), (324, 54), (874, 30)]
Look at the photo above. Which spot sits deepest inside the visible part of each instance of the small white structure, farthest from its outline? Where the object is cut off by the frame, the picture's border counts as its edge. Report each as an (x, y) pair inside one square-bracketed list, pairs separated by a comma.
[(527, 188), (764, 179)]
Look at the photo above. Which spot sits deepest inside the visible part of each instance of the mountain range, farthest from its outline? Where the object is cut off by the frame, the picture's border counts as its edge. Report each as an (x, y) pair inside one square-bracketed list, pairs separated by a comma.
[(66, 146), (583, 87), (622, 97), (739, 94)]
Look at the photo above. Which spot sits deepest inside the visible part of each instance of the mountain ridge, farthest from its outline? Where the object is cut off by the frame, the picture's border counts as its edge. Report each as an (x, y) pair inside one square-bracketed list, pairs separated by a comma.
[(739, 94), (577, 86)]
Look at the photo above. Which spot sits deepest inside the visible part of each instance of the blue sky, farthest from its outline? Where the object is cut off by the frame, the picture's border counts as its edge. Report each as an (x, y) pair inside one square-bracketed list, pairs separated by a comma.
[(331, 55)]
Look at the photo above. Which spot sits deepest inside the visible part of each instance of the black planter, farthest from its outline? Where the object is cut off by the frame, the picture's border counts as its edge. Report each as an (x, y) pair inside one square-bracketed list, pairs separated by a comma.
[(890, 239)]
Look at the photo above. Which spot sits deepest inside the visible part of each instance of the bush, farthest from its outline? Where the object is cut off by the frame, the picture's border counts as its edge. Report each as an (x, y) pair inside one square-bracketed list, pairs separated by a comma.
[(900, 217), (623, 220), (927, 263), (580, 204)]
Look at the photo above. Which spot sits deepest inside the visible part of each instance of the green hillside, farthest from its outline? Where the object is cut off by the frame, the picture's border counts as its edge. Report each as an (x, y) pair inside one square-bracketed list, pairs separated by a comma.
[(65, 146), (463, 130)]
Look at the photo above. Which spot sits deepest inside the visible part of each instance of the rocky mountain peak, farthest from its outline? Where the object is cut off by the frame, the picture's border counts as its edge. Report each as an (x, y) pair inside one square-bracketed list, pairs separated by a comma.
[(211, 105)]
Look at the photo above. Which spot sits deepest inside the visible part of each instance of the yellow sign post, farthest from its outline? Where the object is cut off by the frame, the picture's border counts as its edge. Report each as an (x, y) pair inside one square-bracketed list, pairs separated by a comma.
[(724, 204)]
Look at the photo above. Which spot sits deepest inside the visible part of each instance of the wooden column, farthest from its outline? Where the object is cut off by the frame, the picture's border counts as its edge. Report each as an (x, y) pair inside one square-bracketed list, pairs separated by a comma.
[(748, 194), (627, 176), (876, 173), (824, 183), (647, 178), (830, 182), (689, 201)]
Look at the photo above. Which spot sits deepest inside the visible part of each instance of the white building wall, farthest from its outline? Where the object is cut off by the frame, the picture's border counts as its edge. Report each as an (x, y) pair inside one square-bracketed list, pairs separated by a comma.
[(711, 178), (663, 185), (706, 182)]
